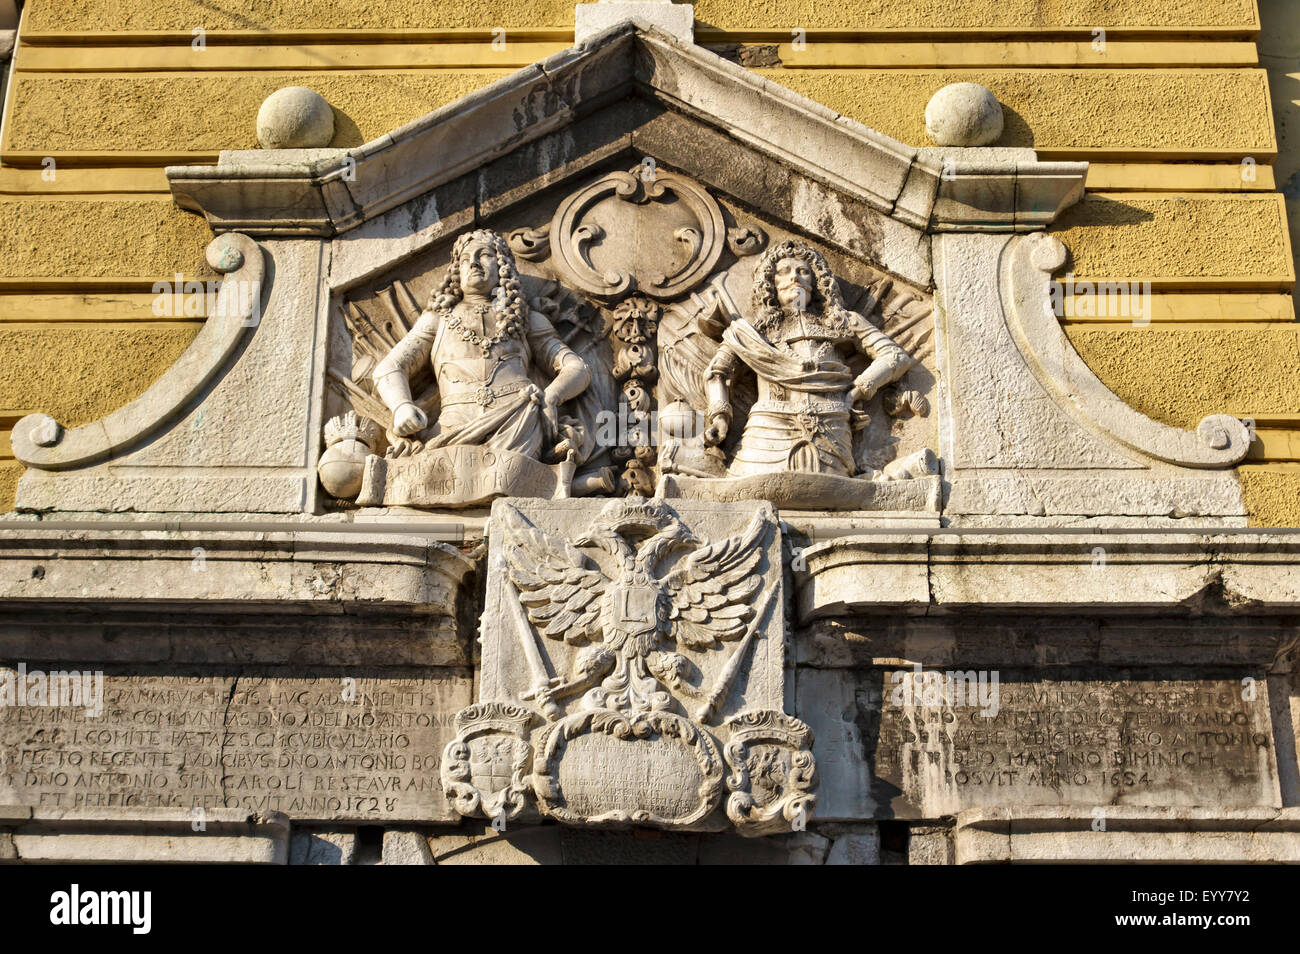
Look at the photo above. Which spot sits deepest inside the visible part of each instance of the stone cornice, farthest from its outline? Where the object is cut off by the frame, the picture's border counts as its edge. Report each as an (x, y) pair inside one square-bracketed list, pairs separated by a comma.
[(214, 570), (926, 572), (323, 192)]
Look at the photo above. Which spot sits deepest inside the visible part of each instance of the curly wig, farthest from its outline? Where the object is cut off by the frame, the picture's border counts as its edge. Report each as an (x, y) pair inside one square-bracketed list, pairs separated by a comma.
[(826, 298), (509, 299)]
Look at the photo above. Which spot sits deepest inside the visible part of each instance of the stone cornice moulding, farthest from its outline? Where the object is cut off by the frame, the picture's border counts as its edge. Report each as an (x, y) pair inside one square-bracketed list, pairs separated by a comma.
[(39, 441), (928, 572), (325, 192), (1028, 264), (132, 567), (1132, 834)]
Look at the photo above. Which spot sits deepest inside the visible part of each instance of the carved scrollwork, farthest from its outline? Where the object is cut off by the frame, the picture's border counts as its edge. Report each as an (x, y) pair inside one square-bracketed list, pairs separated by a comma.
[(772, 772), (485, 767), (40, 442), (1219, 441), (532, 245), (746, 240), (572, 237)]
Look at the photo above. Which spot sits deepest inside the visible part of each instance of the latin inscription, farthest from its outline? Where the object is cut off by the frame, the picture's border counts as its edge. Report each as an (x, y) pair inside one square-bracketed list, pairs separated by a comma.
[(323, 748), (599, 773), (1080, 741)]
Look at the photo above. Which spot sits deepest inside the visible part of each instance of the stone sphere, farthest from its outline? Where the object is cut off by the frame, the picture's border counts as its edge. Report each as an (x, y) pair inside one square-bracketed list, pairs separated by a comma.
[(295, 118), (341, 468), (964, 114)]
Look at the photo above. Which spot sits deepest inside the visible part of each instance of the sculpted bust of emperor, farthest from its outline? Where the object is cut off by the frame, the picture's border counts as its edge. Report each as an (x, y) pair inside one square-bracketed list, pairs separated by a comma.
[(482, 340)]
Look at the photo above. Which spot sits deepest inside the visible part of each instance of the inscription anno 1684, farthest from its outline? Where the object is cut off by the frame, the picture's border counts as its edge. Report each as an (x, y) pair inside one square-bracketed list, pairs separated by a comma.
[(1077, 740)]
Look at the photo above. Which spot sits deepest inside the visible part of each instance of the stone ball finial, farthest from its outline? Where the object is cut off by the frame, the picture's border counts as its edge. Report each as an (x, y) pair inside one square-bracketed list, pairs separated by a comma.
[(295, 118), (963, 114)]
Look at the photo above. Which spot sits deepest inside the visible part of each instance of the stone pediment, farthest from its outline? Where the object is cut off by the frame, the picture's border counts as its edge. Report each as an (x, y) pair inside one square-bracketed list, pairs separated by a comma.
[(330, 192), (639, 198)]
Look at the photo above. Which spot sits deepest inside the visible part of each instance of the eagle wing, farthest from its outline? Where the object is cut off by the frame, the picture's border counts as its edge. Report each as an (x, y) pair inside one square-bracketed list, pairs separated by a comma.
[(710, 590), (559, 586)]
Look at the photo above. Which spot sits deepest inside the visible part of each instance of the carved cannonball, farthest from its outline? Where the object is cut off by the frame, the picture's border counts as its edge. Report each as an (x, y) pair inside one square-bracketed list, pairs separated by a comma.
[(964, 114), (295, 118), (679, 420)]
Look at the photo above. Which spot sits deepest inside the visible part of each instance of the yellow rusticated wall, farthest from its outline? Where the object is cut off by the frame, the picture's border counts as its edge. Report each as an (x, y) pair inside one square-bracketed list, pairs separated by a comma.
[(1169, 99)]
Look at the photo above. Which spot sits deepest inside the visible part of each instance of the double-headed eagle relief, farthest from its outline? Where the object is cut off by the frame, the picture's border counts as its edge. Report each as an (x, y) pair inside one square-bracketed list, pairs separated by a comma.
[(606, 354), (624, 620), (633, 671)]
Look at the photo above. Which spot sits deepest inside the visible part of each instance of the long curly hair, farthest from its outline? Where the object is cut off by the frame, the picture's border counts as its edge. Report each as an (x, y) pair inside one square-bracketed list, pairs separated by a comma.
[(509, 299), (827, 302)]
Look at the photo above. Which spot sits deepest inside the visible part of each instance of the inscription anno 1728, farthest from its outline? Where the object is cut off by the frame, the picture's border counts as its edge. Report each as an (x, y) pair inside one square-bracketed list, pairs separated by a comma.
[(325, 748)]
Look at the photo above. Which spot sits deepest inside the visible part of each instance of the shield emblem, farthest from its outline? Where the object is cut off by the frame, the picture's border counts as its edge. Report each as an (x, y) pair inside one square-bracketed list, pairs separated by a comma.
[(491, 762), (637, 609)]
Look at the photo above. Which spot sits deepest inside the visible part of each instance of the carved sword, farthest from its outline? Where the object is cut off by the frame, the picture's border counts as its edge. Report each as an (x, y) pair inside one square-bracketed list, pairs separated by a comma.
[(542, 681), (728, 675)]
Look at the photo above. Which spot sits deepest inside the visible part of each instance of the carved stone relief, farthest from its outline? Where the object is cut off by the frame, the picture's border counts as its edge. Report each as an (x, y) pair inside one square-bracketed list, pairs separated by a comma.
[(652, 341), (640, 665)]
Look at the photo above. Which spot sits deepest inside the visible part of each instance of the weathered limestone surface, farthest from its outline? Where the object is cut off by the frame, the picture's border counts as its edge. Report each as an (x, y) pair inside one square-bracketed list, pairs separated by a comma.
[(1127, 835), (143, 836), (250, 444), (649, 648), (865, 544), (323, 748), (675, 19)]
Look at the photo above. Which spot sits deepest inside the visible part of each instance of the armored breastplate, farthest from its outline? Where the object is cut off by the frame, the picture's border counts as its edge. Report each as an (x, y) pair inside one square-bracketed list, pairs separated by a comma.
[(463, 372)]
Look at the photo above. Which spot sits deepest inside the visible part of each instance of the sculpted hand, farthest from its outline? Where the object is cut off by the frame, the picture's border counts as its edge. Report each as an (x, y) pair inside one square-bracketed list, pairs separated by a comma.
[(409, 419), (568, 441), (551, 410), (716, 432), (859, 395)]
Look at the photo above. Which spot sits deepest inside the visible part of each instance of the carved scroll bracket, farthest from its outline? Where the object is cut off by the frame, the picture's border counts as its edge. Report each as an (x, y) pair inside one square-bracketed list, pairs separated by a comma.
[(1028, 263), (573, 236), (39, 441)]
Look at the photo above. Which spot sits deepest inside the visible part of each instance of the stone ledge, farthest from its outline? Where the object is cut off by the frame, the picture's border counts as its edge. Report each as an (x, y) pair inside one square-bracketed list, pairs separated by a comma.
[(124, 836), (923, 572), (221, 563), (1151, 835)]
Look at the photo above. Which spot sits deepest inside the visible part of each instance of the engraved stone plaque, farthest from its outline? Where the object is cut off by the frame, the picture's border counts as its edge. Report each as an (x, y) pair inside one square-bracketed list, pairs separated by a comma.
[(314, 747), (1080, 738)]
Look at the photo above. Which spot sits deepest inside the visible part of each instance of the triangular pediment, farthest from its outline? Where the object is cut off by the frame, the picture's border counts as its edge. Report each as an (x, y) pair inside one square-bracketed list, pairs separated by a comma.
[(634, 71)]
